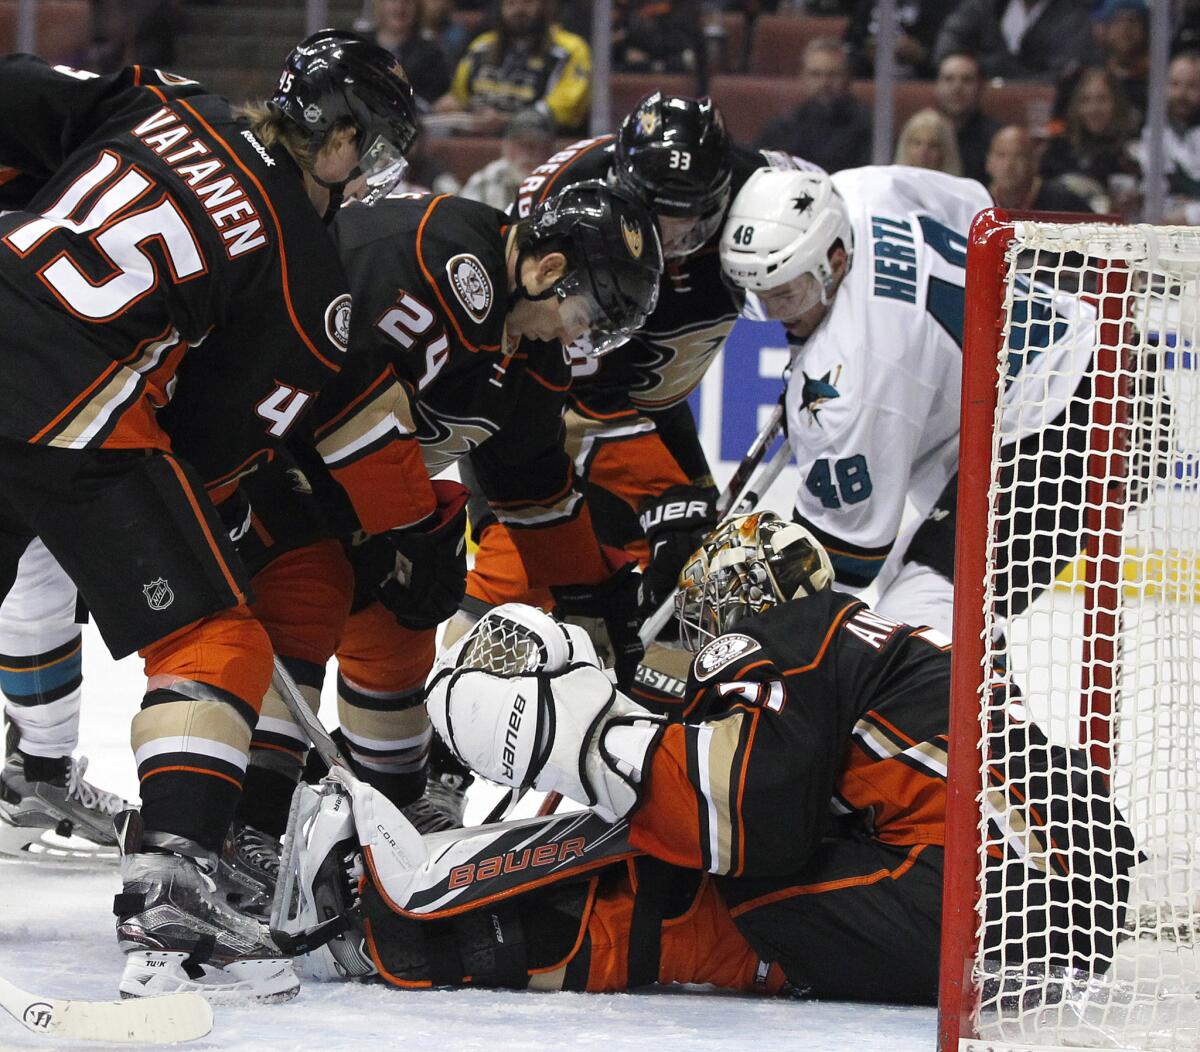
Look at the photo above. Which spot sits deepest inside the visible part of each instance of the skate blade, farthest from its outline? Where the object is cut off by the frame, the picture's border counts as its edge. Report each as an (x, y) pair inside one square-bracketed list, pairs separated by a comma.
[(149, 973), (43, 844)]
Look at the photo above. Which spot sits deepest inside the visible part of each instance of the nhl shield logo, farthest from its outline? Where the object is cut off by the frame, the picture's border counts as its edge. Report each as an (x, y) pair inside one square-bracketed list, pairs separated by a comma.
[(158, 594)]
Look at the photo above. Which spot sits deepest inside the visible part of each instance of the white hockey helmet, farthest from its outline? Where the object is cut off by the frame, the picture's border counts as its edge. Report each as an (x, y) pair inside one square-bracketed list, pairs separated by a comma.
[(748, 565), (781, 226)]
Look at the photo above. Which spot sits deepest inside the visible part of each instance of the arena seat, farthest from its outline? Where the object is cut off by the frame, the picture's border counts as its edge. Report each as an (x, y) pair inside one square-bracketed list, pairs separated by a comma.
[(462, 155), (628, 89), (62, 27), (777, 42)]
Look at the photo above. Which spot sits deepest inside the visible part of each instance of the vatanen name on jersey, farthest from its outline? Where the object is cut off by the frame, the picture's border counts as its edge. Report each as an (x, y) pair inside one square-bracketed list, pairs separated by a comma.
[(895, 259), (207, 177)]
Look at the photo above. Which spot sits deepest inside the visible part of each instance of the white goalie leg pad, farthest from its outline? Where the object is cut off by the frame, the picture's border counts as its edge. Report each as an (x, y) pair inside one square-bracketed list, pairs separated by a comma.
[(570, 732), (397, 850)]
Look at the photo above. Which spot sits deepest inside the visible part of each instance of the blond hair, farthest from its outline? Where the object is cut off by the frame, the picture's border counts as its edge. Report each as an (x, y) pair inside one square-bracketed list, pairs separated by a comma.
[(931, 120), (272, 128)]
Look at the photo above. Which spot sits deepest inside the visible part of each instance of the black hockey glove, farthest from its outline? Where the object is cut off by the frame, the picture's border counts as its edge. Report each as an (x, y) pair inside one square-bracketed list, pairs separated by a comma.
[(428, 577), (675, 523), (615, 602)]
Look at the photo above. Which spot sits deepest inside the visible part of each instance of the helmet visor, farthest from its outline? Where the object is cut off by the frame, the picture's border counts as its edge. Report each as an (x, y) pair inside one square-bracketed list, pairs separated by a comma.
[(792, 300), (597, 328), (382, 166), (682, 233)]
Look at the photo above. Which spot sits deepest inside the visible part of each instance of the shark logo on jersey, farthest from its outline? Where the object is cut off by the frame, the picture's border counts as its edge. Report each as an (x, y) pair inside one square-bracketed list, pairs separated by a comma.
[(471, 284), (819, 390)]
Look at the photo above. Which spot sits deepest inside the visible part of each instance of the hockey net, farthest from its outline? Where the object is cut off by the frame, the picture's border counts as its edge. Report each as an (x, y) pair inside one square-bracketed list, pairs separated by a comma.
[(1075, 609)]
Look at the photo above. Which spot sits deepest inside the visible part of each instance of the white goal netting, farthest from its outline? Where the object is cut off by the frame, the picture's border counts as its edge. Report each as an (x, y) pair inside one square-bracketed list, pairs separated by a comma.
[(1090, 631)]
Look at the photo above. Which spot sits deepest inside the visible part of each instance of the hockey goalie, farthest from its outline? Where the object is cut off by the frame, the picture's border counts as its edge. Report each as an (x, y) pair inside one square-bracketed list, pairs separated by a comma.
[(785, 835)]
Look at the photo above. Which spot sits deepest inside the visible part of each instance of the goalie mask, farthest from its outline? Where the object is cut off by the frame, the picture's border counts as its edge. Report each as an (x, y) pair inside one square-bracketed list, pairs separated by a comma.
[(750, 564)]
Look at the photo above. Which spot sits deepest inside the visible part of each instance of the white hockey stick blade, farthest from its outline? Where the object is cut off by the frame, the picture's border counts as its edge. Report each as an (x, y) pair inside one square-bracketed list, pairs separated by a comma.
[(143, 1020)]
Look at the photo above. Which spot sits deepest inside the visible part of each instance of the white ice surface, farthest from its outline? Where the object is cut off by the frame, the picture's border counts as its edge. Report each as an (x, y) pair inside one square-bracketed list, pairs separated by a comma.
[(56, 938)]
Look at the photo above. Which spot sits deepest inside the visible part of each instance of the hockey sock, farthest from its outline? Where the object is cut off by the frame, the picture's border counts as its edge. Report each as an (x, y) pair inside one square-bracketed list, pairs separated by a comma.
[(42, 693), (388, 735)]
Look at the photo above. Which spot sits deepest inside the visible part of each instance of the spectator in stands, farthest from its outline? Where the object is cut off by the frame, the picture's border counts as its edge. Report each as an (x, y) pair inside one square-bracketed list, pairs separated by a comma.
[(438, 25), (956, 96), (917, 29), (1020, 39), (1013, 176), (830, 127), (398, 28), (927, 141), (527, 60), (1122, 29), (528, 141), (1185, 26), (1093, 154), (653, 36), (125, 32), (1181, 140)]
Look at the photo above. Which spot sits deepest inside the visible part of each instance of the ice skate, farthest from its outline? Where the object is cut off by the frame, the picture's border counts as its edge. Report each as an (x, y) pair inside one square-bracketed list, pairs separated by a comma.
[(63, 819), (247, 870), (178, 933), (316, 898)]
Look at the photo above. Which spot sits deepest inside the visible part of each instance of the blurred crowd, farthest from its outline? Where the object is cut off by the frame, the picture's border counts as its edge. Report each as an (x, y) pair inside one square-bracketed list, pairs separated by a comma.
[(521, 71)]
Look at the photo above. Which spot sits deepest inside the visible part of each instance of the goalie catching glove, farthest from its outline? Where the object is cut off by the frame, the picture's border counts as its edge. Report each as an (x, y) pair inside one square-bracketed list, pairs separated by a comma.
[(550, 719), (427, 576)]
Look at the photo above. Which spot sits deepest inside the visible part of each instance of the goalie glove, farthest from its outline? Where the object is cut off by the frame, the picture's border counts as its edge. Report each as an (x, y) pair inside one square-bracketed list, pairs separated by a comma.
[(427, 578), (675, 522), (556, 725)]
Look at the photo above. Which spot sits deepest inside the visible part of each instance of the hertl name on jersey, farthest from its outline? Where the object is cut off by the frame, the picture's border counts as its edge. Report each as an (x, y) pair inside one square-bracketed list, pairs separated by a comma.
[(895, 259), (213, 184)]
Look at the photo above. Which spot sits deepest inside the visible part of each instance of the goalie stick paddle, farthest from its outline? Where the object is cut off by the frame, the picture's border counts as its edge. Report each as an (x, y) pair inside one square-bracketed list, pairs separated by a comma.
[(140, 1020), (734, 498)]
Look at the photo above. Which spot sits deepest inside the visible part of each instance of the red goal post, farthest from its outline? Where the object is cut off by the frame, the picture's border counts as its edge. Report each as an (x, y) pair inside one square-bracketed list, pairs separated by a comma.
[(1105, 656)]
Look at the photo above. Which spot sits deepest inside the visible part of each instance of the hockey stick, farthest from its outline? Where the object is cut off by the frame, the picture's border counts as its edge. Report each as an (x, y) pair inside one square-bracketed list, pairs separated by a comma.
[(733, 498), (142, 1020), (298, 706)]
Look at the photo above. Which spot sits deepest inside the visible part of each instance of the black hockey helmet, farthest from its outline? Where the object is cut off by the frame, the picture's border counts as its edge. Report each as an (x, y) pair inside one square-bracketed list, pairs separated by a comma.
[(333, 76), (673, 153), (614, 259)]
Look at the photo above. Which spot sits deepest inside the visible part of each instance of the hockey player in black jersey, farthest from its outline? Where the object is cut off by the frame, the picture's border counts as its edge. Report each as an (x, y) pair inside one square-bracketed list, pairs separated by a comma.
[(785, 835), (161, 219), (456, 346), (629, 427)]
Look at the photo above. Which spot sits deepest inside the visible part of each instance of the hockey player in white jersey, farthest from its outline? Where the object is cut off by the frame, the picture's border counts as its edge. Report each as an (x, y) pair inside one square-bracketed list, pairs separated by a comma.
[(48, 810), (866, 270)]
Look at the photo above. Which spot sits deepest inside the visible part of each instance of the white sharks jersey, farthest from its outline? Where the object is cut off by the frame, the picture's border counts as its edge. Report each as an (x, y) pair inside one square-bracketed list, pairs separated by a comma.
[(873, 401)]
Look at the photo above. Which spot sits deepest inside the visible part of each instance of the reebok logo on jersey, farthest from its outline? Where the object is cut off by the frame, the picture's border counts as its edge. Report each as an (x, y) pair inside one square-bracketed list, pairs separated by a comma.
[(337, 322), (258, 148), (722, 652), (471, 284)]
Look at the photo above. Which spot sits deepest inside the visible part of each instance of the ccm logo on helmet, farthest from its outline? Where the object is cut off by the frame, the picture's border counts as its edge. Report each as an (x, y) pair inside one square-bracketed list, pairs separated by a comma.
[(509, 754), (673, 511), (515, 861)]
